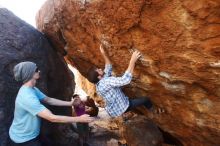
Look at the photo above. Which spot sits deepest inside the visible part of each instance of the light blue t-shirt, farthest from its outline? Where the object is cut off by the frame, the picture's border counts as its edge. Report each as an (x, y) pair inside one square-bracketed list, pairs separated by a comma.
[(26, 123)]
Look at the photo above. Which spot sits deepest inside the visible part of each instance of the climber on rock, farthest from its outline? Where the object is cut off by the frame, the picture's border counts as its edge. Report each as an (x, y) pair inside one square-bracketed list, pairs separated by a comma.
[(25, 128), (109, 87)]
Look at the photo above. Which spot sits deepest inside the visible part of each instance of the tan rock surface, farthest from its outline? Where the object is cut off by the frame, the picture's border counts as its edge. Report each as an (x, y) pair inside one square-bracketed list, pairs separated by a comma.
[(180, 43), (140, 131)]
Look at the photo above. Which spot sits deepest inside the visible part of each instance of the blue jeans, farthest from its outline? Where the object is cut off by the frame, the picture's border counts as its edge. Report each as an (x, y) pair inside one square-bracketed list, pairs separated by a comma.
[(133, 103)]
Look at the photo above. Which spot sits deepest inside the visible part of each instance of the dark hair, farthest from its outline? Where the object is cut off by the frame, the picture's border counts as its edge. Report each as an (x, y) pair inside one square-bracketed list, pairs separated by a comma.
[(75, 95), (93, 75)]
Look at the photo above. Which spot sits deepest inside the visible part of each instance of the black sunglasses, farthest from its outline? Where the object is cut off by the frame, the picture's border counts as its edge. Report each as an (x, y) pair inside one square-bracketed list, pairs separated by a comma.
[(37, 70)]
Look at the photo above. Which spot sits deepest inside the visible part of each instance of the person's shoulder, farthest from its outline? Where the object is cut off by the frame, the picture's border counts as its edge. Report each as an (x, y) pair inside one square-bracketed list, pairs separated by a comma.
[(37, 89), (26, 93), (24, 90), (106, 80), (101, 82)]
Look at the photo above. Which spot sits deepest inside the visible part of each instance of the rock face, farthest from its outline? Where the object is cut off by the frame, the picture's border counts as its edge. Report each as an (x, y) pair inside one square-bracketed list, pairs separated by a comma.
[(139, 131), (180, 43), (21, 42), (104, 133)]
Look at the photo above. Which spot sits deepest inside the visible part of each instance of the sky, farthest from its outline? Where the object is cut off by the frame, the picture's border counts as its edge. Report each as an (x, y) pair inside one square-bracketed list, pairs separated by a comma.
[(24, 9)]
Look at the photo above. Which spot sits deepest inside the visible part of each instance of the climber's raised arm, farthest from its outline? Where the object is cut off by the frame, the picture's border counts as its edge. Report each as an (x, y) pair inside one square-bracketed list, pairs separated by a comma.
[(105, 55), (135, 56)]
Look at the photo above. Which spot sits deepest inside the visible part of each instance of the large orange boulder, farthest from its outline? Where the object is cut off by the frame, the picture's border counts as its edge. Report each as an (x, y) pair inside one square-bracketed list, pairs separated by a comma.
[(180, 43)]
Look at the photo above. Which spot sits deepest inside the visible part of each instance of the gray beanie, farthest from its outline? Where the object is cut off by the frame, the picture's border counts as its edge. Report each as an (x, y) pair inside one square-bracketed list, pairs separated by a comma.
[(24, 71)]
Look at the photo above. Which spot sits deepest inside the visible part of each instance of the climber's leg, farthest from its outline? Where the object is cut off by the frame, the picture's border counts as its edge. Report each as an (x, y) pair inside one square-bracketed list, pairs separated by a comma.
[(133, 103)]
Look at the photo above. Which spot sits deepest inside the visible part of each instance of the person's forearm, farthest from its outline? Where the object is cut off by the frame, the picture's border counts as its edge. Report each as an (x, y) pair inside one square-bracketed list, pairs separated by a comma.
[(135, 56), (106, 58), (131, 66), (64, 119), (57, 102), (48, 115)]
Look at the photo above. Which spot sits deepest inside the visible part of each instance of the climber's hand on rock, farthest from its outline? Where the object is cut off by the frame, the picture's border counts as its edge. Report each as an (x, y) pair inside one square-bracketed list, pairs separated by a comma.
[(135, 56)]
